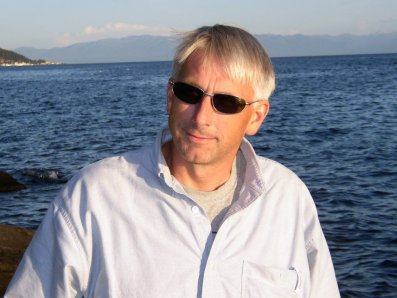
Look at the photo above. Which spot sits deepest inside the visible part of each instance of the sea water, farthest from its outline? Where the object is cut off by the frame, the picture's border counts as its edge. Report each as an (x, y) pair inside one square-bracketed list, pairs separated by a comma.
[(332, 120)]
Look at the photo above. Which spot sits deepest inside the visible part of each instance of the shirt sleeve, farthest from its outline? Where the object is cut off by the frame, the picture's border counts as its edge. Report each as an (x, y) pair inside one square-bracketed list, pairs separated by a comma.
[(53, 264), (322, 274)]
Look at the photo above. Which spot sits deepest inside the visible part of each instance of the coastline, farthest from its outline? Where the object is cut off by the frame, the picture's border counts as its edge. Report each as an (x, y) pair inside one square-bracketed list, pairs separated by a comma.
[(29, 64), (13, 243)]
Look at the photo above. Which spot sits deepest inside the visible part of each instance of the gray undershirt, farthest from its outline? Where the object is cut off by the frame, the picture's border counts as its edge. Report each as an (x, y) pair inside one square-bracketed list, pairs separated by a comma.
[(217, 202)]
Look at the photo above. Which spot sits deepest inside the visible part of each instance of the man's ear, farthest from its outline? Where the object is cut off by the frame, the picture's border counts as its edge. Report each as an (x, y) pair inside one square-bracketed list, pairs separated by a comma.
[(260, 111), (170, 95)]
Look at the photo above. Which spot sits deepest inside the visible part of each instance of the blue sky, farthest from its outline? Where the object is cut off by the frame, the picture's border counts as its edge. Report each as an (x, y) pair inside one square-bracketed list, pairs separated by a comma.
[(51, 23)]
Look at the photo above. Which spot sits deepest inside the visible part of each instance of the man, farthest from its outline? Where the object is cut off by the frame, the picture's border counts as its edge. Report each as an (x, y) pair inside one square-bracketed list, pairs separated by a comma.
[(198, 214)]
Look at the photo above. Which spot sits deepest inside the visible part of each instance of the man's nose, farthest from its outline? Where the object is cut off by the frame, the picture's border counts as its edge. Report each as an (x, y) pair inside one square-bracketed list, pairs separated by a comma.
[(204, 112)]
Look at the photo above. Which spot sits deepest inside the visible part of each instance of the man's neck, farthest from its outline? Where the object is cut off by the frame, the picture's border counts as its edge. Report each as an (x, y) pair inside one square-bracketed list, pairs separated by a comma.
[(202, 177)]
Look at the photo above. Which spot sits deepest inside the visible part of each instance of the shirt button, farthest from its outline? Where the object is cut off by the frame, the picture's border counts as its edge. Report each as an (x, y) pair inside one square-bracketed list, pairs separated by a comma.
[(195, 210)]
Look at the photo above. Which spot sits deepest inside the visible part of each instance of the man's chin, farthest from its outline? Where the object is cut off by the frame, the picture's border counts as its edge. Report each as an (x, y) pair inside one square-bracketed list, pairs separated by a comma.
[(197, 158)]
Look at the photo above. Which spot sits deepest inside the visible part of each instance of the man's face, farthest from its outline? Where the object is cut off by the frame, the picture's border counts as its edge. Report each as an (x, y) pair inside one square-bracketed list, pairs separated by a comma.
[(200, 134)]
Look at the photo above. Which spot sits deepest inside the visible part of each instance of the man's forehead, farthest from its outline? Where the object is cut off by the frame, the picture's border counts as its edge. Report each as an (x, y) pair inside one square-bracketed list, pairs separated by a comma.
[(199, 63)]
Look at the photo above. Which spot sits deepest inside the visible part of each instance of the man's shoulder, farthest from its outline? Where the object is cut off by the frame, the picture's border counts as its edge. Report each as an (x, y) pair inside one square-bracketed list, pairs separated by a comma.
[(117, 165), (107, 176), (275, 173), (268, 164), (269, 170)]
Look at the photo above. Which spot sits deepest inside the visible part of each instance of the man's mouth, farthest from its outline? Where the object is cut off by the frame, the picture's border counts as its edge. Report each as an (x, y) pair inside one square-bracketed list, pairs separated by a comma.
[(197, 137)]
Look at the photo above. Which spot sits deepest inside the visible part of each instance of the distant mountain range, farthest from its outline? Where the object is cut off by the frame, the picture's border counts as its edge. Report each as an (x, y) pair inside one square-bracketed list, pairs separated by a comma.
[(161, 48), (128, 49)]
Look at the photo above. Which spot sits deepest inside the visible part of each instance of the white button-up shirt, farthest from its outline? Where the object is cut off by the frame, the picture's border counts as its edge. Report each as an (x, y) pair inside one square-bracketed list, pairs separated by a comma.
[(124, 227)]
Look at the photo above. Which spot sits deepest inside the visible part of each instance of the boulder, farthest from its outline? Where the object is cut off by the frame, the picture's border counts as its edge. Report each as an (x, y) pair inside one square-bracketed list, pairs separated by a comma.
[(7, 183), (13, 243)]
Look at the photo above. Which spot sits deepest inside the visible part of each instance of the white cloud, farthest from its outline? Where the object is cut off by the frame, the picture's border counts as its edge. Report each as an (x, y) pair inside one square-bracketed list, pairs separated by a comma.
[(111, 30), (118, 28)]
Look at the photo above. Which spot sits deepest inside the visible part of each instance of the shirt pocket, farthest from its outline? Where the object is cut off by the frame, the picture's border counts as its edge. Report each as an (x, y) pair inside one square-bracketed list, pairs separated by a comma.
[(263, 281)]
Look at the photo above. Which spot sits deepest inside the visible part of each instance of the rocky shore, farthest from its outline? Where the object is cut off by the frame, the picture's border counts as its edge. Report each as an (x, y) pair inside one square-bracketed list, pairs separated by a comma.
[(13, 242)]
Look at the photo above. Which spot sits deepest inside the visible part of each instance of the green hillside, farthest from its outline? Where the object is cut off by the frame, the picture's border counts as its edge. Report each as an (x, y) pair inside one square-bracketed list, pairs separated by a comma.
[(10, 57)]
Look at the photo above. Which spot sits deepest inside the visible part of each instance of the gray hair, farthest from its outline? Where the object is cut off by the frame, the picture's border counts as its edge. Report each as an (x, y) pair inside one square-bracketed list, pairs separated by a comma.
[(243, 57)]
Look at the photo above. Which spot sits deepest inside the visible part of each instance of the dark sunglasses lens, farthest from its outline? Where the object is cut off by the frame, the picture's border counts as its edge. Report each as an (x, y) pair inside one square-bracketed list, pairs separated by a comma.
[(227, 104), (187, 93)]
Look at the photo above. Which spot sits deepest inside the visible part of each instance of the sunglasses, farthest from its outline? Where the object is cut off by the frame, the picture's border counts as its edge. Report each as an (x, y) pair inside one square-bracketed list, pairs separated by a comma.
[(223, 103)]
